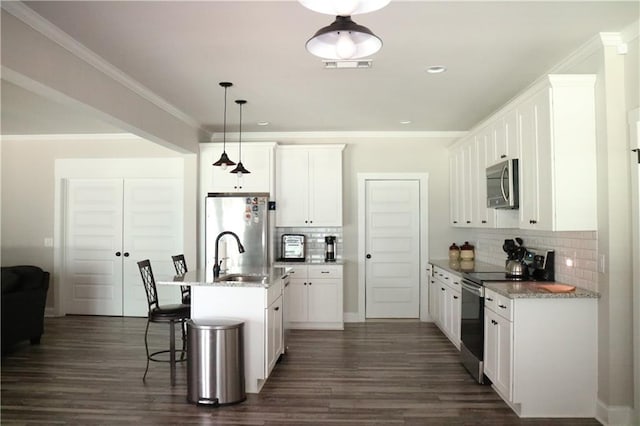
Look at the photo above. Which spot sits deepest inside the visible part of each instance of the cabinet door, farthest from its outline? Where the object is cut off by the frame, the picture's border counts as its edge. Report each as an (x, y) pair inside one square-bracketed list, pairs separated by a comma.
[(455, 187), (325, 300), (434, 306), (256, 159), (443, 307), (490, 345), (485, 217), (456, 305), (325, 187), (292, 183), (469, 180), (274, 334), (505, 353), (297, 307)]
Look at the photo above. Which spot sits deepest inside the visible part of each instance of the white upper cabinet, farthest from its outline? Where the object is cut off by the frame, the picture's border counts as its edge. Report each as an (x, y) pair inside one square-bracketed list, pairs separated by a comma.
[(257, 157), (550, 129), (558, 160), (309, 185)]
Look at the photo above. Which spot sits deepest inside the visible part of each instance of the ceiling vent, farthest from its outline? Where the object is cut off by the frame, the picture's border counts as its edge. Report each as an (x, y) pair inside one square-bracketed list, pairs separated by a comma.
[(362, 63)]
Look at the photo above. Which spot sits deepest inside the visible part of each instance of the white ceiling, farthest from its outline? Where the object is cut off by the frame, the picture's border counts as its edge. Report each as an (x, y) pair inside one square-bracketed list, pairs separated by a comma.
[(181, 50)]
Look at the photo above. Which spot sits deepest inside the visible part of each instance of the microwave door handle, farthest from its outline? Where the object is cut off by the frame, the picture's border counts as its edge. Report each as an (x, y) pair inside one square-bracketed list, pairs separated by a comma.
[(505, 170)]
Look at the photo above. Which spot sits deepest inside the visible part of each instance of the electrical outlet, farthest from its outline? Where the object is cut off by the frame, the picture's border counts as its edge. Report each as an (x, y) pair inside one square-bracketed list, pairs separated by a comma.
[(602, 262), (48, 242)]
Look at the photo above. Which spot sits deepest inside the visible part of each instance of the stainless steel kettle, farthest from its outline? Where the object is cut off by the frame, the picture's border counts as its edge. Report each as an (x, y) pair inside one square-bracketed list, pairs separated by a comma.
[(516, 269)]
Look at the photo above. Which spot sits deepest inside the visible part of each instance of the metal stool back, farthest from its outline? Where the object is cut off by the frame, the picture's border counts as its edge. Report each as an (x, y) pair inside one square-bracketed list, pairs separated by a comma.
[(181, 268), (171, 314)]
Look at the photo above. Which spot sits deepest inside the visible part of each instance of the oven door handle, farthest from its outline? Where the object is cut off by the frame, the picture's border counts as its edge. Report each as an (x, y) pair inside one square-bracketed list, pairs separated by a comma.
[(478, 291)]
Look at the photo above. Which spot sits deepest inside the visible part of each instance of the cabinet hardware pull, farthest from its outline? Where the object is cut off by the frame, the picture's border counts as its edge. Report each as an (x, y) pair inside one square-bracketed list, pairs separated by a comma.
[(442, 288), (502, 306), (484, 221), (489, 299), (325, 272), (468, 221), (455, 297), (446, 278), (455, 221), (494, 322), (503, 156)]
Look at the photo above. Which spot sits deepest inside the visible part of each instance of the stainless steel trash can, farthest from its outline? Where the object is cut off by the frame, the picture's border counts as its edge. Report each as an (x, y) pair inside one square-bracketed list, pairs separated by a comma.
[(215, 362)]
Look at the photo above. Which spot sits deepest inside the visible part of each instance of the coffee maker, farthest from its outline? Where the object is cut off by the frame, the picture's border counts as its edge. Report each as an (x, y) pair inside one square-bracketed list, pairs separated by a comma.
[(330, 248)]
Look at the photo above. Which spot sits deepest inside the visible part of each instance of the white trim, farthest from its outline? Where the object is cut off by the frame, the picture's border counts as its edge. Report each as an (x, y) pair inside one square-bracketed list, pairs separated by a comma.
[(96, 168), (631, 32), (633, 118), (614, 415), (423, 179), (261, 136), (351, 317), (72, 137), (55, 34)]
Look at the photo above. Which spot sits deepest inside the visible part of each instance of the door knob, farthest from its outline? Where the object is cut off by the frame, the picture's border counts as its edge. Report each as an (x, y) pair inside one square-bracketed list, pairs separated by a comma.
[(368, 256), (126, 254), (118, 253)]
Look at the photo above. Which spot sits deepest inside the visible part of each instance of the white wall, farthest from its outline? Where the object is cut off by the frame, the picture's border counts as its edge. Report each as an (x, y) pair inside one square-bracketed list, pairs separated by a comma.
[(28, 186)]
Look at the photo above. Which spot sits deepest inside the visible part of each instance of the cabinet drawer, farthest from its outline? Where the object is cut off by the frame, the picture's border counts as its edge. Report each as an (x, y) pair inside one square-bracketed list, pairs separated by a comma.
[(325, 271), (499, 304), (446, 277), (298, 271)]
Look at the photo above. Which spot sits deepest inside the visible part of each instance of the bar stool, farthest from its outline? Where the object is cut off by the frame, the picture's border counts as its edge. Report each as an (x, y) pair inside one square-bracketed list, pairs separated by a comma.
[(181, 268), (171, 314)]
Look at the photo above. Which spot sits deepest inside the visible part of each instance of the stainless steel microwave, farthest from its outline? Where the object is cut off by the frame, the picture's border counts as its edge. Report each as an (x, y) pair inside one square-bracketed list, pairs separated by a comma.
[(502, 185)]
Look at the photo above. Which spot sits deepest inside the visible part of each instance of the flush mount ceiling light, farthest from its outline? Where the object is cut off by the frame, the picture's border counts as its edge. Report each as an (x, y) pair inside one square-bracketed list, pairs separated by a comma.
[(240, 170), (436, 69), (224, 160), (344, 7), (343, 39)]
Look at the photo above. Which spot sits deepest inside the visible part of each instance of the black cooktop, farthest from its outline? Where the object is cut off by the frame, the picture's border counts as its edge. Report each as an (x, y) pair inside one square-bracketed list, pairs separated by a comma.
[(480, 277)]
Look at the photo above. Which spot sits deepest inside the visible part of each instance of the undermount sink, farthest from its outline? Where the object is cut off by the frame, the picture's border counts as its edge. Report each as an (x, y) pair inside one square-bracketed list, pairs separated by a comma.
[(244, 278)]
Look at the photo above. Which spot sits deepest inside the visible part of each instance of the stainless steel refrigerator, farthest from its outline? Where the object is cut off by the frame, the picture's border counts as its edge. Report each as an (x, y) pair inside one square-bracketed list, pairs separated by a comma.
[(247, 215)]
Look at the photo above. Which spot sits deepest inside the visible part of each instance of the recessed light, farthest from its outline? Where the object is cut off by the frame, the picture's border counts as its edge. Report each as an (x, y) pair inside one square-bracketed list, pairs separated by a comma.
[(405, 122), (263, 123), (436, 69)]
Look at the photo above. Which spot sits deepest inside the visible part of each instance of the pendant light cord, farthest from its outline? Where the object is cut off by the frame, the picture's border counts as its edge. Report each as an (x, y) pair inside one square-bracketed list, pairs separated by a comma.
[(224, 122)]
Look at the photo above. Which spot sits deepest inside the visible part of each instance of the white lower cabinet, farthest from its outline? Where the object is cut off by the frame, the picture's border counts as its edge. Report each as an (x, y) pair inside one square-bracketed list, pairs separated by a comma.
[(315, 297), (541, 354), (274, 336), (446, 303)]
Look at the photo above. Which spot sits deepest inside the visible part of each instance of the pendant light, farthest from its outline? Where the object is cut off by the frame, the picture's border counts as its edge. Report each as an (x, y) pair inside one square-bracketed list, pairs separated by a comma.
[(224, 160), (344, 7), (240, 170), (343, 39)]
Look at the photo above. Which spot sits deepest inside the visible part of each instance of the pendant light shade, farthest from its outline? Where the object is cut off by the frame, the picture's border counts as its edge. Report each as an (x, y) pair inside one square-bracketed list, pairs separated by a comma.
[(224, 160), (344, 7), (240, 170), (343, 39)]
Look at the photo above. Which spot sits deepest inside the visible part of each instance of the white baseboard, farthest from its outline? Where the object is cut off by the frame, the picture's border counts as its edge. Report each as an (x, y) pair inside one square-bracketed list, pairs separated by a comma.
[(614, 415), (50, 312)]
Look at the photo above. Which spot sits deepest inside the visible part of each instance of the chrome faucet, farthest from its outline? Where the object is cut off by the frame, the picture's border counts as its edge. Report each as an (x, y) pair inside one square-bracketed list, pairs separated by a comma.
[(216, 266)]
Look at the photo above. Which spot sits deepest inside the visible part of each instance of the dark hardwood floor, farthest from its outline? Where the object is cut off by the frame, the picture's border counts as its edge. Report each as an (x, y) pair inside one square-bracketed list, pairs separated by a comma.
[(88, 370)]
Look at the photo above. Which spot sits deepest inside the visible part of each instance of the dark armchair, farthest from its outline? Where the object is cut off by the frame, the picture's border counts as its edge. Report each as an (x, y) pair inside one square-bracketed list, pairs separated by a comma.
[(24, 295)]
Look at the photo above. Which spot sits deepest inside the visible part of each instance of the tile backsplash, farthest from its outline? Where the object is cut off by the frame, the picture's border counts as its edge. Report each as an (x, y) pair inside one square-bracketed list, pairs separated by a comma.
[(314, 241), (575, 252)]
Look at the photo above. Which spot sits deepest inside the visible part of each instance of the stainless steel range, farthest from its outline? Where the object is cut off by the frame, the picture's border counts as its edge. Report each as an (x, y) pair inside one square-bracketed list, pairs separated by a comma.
[(540, 267)]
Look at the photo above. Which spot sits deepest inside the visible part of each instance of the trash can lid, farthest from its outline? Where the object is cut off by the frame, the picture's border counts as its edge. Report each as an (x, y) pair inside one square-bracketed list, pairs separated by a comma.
[(215, 323)]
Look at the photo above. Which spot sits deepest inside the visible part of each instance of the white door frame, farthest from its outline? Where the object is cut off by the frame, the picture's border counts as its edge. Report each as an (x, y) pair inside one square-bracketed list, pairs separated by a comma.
[(423, 179), (84, 168)]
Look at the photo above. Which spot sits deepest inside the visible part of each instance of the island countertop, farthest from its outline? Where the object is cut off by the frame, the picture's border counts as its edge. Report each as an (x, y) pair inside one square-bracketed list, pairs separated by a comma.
[(265, 278), (539, 290)]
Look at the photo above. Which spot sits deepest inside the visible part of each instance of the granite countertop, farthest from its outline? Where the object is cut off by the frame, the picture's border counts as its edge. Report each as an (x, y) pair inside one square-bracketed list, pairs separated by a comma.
[(534, 290), (466, 266), (308, 262), (265, 278)]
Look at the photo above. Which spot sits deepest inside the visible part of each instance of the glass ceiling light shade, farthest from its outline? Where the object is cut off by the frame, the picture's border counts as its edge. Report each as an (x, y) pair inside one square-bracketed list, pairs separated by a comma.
[(240, 170), (224, 160), (343, 39), (344, 7)]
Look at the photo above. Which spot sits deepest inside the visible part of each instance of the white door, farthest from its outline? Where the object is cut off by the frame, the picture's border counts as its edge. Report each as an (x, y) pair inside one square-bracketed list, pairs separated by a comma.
[(111, 225), (392, 273), (152, 230), (93, 269)]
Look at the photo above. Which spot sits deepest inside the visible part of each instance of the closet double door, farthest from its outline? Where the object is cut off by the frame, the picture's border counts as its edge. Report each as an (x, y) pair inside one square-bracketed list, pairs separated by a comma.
[(110, 225)]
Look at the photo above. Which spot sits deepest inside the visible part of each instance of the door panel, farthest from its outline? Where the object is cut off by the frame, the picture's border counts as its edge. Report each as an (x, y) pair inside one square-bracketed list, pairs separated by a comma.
[(152, 230), (93, 272), (393, 240)]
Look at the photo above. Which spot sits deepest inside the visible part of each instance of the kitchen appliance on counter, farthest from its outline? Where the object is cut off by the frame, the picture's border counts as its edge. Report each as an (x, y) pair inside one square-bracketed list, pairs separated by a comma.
[(293, 248), (502, 185), (330, 248), (539, 264), (247, 216)]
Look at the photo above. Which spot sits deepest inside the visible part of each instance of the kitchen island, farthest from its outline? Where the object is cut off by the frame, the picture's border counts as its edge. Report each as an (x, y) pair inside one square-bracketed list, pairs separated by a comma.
[(252, 296)]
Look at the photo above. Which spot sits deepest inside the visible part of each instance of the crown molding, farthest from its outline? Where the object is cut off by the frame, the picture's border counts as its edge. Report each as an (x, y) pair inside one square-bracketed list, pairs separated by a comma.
[(72, 137), (262, 136), (56, 35)]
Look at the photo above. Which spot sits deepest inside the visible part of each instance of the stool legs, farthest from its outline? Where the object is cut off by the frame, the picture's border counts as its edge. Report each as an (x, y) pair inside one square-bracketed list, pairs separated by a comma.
[(146, 347)]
